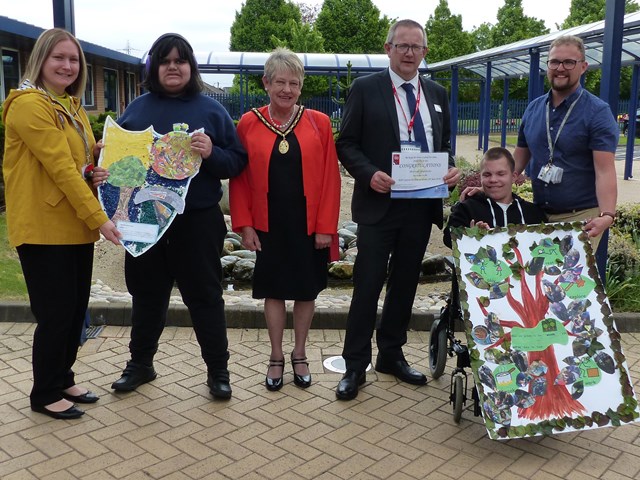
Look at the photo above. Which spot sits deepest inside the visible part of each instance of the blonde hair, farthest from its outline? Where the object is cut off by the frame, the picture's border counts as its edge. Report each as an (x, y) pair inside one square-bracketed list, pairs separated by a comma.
[(284, 59), (42, 49), (570, 40)]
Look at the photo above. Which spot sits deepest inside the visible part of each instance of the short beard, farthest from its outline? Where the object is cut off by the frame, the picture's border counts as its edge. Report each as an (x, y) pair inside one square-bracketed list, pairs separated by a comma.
[(567, 87)]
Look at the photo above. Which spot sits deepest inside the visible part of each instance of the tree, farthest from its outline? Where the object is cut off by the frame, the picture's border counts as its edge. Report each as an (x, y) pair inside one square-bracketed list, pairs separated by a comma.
[(309, 13), (352, 26), (482, 36), (258, 21), (258, 27), (305, 38), (446, 40), (583, 12), (514, 25), (446, 37)]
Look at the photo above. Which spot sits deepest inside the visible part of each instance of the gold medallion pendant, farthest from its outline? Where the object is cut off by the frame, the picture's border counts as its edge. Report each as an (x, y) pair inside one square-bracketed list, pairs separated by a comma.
[(284, 146)]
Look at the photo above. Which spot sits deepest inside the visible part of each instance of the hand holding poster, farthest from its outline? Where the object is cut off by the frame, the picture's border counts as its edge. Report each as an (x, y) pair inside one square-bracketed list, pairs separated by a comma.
[(149, 177), (545, 353)]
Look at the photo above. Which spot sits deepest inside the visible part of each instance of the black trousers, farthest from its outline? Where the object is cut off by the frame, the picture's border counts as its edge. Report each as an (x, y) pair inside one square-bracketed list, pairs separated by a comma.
[(58, 279), (403, 234), (189, 254)]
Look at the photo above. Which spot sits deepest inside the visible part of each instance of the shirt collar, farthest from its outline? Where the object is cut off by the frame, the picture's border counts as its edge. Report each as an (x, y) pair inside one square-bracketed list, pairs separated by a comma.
[(568, 100), (398, 81)]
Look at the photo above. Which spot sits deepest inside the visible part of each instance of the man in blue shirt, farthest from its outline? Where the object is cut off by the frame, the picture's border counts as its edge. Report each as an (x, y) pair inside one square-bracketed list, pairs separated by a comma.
[(569, 138)]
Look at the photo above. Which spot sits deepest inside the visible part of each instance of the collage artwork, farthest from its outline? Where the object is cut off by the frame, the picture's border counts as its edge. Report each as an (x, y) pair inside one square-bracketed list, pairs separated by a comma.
[(545, 353), (149, 176)]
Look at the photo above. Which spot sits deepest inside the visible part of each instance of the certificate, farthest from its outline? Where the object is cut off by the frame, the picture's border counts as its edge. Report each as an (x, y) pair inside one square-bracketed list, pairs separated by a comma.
[(138, 232), (419, 175)]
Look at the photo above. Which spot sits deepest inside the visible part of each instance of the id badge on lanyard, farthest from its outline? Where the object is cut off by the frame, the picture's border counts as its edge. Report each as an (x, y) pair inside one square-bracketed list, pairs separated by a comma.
[(408, 146)]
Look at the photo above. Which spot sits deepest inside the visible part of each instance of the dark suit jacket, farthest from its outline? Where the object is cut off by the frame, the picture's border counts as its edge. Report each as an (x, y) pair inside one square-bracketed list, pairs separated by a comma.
[(370, 132)]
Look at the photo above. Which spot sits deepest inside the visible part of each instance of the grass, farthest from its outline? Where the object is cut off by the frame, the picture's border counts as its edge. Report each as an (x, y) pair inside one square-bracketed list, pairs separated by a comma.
[(511, 140), (624, 294), (12, 286)]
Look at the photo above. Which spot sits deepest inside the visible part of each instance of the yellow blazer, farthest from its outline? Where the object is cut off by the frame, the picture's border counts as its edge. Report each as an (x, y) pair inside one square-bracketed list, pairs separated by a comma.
[(48, 201)]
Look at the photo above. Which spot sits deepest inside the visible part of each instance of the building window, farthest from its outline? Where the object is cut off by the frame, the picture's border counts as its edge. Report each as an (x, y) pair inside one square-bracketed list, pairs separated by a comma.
[(111, 90), (130, 87), (10, 73), (88, 99)]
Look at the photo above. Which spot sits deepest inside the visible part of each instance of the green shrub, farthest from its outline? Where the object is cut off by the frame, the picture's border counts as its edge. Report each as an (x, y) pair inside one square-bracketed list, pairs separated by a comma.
[(623, 292), (623, 256), (97, 123)]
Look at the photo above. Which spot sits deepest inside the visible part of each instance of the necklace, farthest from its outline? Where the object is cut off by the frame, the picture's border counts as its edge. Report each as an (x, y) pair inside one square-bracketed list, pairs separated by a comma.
[(282, 126), (283, 146)]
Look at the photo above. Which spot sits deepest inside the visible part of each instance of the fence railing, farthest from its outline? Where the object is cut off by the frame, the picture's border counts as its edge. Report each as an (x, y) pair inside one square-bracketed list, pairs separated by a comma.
[(468, 112)]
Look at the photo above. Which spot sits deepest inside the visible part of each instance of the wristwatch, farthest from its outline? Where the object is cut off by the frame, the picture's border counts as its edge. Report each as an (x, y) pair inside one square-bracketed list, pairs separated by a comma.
[(609, 214)]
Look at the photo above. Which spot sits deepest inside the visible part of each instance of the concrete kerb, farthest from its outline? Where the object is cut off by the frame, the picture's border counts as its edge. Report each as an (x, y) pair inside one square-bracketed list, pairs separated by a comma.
[(238, 316), (248, 316)]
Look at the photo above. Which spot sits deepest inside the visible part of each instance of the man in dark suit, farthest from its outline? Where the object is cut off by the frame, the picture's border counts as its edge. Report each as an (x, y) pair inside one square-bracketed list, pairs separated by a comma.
[(382, 111)]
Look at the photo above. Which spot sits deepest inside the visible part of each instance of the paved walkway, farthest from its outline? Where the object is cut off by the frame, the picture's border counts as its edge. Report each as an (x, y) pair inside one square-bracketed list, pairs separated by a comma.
[(171, 429)]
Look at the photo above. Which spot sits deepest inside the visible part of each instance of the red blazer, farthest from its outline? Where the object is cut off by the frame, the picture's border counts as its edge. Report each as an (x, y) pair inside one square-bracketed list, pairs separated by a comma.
[(320, 173)]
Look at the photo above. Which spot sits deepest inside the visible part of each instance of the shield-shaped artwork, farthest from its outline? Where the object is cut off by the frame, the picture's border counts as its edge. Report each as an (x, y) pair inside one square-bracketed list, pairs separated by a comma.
[(149, 176)]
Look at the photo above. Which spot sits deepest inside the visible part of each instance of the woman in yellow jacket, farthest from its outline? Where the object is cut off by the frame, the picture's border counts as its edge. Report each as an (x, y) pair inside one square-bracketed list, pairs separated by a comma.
[(53, 216)]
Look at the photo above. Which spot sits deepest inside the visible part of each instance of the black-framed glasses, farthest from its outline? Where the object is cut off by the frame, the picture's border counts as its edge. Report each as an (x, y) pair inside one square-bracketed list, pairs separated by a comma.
[(405, 47), (568, 64)]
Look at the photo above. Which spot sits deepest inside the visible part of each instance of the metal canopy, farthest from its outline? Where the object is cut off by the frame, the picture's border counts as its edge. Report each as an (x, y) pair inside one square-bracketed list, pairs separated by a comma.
[(252, 63), (513, 60)]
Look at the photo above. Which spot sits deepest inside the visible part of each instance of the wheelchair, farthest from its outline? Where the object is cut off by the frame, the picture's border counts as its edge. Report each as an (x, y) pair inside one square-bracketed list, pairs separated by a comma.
[(443, 343)]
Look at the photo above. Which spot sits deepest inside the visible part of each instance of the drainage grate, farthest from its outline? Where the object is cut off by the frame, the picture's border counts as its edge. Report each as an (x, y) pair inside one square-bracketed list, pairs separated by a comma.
[(336, 364), (93, 331)]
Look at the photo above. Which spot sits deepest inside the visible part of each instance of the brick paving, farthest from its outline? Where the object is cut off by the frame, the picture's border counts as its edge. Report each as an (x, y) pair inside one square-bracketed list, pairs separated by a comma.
[(172, 429)]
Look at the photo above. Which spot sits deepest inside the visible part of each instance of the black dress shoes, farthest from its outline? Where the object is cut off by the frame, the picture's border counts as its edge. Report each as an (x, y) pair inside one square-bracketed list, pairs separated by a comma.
[(68, 414), (401, 370), (88, 397), (219, 386), (134, 375), (348, 386), (302, 381), (274, 384)]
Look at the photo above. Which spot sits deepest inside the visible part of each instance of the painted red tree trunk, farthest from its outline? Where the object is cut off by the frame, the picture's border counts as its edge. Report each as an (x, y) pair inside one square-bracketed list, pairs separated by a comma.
[(557, 402)]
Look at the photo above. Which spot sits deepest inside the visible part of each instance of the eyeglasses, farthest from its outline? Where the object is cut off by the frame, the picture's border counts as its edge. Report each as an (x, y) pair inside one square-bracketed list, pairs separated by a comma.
[(568, 64), (405, 47)]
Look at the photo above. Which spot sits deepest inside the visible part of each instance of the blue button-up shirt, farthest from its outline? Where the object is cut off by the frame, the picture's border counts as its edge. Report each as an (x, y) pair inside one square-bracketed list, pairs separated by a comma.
[(590, 127)]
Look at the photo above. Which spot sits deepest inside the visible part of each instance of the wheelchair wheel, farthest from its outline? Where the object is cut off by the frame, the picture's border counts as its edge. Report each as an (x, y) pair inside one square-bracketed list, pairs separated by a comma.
[(476, 402), (437, 349), (458, 398)]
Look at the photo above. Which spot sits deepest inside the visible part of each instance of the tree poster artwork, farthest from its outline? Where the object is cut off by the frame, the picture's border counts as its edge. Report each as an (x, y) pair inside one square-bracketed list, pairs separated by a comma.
[(545, 353), (149, 176)]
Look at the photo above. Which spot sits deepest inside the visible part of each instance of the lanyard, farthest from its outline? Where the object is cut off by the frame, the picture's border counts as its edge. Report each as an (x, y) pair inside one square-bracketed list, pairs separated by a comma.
[(552, 143), (77, 126), (417, 109)]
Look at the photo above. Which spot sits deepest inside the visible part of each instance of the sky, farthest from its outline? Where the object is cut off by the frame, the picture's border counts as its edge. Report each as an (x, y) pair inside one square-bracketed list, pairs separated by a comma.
[(131, 26)]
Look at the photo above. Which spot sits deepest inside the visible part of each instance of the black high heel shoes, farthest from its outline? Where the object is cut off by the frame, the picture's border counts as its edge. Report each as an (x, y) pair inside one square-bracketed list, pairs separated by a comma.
[(274, 384), (302, 381)]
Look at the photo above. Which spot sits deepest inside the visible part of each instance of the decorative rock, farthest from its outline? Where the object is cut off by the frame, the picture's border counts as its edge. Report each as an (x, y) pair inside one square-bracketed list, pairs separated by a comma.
[(228, 261), (224, 201), (351, 226), (348, 235), (234, 242), (350, 255), (243, 270), (341, 269), (247, 254), (433, 264)]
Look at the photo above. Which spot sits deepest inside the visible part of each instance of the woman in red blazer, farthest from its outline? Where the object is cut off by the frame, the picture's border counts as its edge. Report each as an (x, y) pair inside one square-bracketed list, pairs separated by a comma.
[(286, 205)]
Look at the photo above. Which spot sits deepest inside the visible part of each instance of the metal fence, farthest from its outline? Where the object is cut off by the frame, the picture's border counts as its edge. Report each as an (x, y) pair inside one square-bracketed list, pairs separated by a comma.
[(233, 104), (468, 112)]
